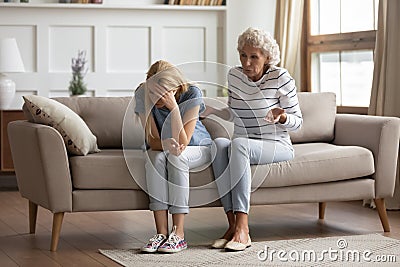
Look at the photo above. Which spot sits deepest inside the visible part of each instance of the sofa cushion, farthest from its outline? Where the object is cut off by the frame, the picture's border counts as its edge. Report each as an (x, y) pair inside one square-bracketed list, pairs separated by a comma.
[(319, 112), (106, 118), (316, 163), (108, 170), (77, 136), (218, 127), (313, 163)]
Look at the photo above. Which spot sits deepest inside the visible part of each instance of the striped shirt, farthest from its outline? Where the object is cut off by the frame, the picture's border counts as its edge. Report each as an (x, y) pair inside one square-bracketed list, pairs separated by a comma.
[(250, 102)]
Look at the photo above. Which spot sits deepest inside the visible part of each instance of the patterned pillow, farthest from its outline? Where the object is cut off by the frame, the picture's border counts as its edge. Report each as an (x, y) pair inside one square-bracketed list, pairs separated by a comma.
[(77, 136)]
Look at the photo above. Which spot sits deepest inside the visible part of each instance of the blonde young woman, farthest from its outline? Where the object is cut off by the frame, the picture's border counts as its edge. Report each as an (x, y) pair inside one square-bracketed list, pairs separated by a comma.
[(169, 109)]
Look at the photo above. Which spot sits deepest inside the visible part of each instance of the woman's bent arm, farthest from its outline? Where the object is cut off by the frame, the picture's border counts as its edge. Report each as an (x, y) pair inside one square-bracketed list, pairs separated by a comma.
[(183, 129), (154, 140)]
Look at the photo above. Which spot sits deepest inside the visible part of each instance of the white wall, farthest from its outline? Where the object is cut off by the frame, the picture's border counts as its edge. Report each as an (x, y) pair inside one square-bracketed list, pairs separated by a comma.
[(243, 14), (121, 43)]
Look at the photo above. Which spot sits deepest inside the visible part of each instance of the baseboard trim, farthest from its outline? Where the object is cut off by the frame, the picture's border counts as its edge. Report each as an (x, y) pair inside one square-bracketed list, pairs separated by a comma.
[(8, 182)]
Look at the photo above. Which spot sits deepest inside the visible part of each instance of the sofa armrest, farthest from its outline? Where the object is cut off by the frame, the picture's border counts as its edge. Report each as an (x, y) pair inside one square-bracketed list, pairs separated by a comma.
[(41, 165), (380, 135)]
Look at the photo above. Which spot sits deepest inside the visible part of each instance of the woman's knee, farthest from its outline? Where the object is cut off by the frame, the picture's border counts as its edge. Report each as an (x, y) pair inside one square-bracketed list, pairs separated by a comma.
[(156, 157), (178, 162), (220, 144), (240, 144)]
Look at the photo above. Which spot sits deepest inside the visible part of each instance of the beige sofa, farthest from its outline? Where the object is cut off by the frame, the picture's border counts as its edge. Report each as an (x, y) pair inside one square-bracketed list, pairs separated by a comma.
[(338, 157)]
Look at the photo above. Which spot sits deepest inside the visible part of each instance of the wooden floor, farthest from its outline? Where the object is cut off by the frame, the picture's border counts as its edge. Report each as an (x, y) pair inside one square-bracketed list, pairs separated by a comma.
[(83, 234)]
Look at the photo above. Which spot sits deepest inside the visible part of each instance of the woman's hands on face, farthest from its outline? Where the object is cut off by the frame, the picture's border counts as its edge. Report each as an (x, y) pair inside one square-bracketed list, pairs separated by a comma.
[(161, 97), (276, 115), (172, 146), (169, 101)]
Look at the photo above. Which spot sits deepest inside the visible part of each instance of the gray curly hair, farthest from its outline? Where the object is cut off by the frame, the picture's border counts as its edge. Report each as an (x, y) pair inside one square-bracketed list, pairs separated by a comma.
[(260, 39)]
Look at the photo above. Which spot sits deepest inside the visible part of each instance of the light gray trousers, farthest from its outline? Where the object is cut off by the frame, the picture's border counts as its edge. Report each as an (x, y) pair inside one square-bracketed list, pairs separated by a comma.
[(167, 177), (232, 171)]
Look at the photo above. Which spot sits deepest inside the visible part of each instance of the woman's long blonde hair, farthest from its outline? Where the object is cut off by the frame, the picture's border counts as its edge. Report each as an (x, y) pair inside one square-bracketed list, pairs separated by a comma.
[(169, 77)]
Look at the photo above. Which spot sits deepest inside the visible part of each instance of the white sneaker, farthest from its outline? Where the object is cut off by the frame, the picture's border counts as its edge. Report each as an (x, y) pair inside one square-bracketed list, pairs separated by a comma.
[(154, 243), (173, 244)]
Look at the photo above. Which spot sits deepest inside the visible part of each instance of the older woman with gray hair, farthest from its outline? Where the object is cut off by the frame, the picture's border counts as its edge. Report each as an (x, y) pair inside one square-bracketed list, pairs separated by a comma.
[(263, 104)]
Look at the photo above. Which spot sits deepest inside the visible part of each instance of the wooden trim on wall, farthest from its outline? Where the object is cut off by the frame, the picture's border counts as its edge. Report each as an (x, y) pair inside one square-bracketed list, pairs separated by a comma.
[(352, 110), (343, 37), (305, 85), (341, 47)]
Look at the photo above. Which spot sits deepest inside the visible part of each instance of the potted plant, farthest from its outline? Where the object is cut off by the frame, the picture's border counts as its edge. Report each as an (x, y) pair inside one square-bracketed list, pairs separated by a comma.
[(77, 86)]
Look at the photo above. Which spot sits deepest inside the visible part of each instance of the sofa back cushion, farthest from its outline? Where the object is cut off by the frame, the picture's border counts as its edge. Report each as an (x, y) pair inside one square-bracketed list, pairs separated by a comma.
[(318, 109), (319, 112), (216, 126), (105, 118)]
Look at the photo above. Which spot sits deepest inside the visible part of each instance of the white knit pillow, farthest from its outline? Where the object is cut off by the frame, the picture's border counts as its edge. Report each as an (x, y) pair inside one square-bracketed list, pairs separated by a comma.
[(77, 136)]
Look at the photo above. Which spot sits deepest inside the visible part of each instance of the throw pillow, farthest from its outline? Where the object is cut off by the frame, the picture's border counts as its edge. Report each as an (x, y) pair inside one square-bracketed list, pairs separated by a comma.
[(77, 136)]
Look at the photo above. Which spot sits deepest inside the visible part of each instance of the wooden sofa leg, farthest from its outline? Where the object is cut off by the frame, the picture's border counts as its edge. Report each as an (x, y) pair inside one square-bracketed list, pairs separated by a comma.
[(55, 233), (33, 208), (321, 210), (380, 206)]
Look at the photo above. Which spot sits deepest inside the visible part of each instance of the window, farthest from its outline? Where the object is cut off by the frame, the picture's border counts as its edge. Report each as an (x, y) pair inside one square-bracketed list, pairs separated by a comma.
[(338, 49)]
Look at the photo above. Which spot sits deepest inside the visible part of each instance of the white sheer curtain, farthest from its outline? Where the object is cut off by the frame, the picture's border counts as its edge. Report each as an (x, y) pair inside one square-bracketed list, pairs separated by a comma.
[(288, 22), (385, 94)]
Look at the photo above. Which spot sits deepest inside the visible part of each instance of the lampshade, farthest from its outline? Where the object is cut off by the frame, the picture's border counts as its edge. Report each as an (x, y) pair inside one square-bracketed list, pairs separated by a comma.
[(10, 59)]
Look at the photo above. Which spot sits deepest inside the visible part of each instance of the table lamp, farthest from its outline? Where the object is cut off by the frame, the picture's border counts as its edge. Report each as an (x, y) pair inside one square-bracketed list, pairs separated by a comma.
[(10, 61)]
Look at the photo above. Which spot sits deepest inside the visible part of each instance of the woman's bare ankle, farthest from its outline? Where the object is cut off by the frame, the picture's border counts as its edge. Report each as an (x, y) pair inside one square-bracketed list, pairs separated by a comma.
[(229, 233), (240, 234)]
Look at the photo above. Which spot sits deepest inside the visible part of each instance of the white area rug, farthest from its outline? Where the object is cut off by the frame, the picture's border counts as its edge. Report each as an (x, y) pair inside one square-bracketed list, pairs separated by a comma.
[(360, 250)]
